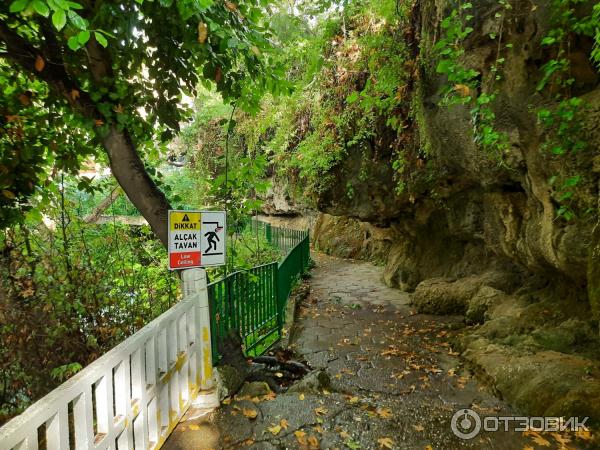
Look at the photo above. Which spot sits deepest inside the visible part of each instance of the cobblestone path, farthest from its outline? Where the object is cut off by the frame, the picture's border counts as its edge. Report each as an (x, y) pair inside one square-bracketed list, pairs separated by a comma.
[(389, 379)]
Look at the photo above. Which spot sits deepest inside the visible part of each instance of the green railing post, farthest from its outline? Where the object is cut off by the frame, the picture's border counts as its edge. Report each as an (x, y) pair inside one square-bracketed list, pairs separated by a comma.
[(268, 232)]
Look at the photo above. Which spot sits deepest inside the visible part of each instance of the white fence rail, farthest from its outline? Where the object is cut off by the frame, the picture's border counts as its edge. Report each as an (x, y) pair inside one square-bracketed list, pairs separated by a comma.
[(133, 396)]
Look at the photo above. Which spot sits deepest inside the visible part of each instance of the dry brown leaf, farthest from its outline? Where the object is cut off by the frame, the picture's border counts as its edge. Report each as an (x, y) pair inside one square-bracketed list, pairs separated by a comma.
[(250, 413), (344, 435), (39, 63), (24, 99), (419, 427), (74, 94), (284, 424), (202, 32), (301, 397), (270, 396), (541, 441), (462, 89), (586, 435), (320, 411), (231, 6), (528, 447), (313, 442), (384, 413), (428, 447), (353, 400), (385, 442), (301, 437)]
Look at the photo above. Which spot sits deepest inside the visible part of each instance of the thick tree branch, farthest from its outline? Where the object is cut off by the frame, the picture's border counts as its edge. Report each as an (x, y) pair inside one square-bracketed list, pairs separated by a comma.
[(125, 162)]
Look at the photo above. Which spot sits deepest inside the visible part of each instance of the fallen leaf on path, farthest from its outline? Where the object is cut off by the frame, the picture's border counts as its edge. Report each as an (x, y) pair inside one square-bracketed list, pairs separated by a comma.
[(385, 442), (274, 429), (344, 434), (541, 441), (561, 439), (528, 447), (419, 427), (284, 424), (353, 400), (301, 437), (313, 442), (270, 396), (249, 413), (301, 397), (384, 413), (428, 447), (320, 411), (586, 435)]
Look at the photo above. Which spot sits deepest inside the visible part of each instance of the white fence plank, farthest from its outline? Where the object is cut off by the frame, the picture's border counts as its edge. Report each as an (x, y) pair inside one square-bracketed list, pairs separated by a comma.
[(133, 396)]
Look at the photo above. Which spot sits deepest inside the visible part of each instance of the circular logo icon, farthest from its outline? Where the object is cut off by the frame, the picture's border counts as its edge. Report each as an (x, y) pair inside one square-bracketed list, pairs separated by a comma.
[(466, 424)]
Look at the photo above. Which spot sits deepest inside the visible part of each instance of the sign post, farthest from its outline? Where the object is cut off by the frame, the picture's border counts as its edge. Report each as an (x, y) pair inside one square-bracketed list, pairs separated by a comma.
[(197, 239)]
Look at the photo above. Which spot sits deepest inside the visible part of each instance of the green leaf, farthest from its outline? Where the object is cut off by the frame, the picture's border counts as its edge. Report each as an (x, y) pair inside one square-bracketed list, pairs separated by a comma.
[(18, 5), (83, 37), (101, 39), (41, 8), (77, 20), (548, 40), (59, 19), (73, 43), (352, 97)]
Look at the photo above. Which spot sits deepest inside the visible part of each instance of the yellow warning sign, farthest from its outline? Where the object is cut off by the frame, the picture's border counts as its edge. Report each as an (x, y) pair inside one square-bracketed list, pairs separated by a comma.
[(182, 221)]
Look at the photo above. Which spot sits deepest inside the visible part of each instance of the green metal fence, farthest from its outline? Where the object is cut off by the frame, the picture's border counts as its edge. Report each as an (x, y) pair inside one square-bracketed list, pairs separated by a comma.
[(253, 301)]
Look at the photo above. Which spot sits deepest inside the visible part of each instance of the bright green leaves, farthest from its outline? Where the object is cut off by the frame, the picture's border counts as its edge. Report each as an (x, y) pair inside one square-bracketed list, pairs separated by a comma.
[(18, 5), (564, 137), (61, 12), (468, 86), (461, 80), (77, 21), (41, 7), (101, 39), (59, 19)]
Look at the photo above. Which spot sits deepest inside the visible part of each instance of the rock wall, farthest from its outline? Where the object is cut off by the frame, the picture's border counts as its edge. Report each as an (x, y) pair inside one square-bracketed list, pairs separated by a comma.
[(481, 238), (476, 214)]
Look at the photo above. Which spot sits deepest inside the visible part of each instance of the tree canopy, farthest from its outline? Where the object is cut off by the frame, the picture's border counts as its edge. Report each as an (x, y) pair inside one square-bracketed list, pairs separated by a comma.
[(81, 76)]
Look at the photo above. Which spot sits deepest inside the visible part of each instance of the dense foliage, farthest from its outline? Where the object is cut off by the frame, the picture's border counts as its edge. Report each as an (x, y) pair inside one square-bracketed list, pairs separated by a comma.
[(351, 80), (73, 73)]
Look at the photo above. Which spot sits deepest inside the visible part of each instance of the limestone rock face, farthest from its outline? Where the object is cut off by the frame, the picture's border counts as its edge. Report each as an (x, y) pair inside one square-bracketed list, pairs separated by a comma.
[(474, 214)]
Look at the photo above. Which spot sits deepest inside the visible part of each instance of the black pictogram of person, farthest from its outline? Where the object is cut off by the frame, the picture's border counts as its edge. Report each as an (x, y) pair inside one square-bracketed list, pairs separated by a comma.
[(210, 237)]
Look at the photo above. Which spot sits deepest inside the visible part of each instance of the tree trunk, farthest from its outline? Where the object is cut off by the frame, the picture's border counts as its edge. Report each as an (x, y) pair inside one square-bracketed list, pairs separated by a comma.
[(129, 170)]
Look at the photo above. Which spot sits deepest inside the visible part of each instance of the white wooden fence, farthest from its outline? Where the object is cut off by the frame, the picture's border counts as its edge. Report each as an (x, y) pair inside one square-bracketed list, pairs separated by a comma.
[(133, 396)]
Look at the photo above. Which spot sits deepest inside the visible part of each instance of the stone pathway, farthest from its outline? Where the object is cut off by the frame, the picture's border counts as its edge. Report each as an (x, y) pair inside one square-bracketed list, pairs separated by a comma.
[(389, 378)]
